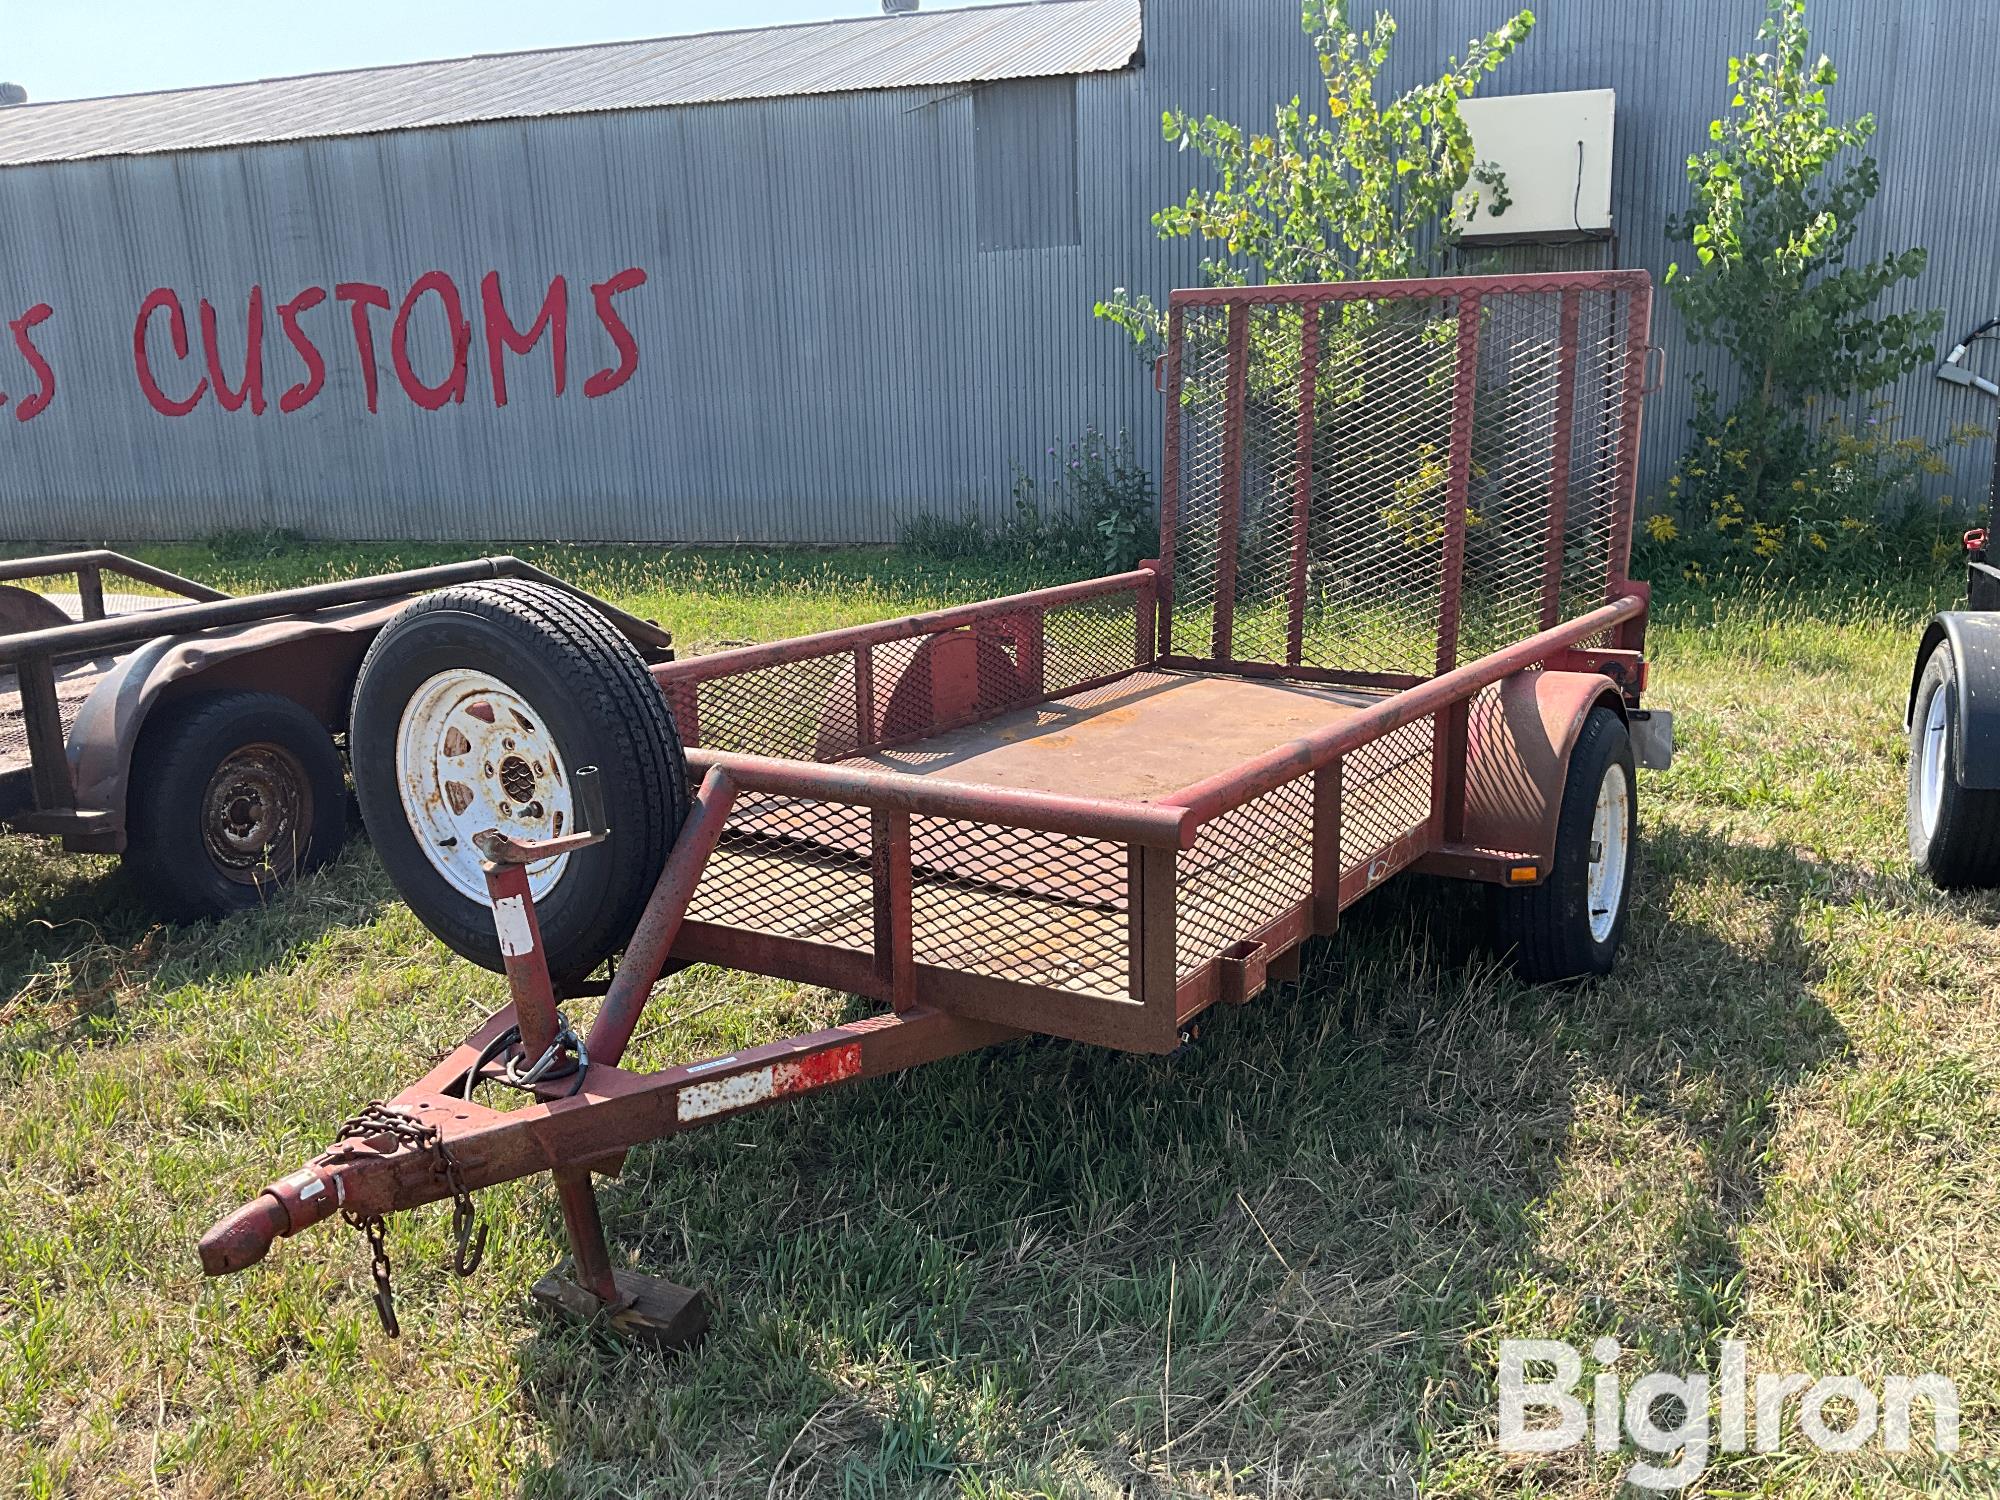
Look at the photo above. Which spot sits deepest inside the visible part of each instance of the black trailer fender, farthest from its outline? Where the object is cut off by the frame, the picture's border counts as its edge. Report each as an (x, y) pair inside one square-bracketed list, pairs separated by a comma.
[(309, 659), (1974, 637)]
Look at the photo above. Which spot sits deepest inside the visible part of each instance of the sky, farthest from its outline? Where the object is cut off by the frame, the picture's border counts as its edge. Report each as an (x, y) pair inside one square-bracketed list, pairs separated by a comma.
[(79, 49)]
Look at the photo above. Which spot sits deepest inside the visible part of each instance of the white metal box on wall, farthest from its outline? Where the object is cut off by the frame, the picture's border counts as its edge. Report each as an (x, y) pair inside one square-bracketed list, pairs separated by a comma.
[(1553, 155)]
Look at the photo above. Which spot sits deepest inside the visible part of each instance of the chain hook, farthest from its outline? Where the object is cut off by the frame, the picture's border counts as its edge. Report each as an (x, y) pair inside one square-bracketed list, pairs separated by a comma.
[(376, 1231), (468, 1234)]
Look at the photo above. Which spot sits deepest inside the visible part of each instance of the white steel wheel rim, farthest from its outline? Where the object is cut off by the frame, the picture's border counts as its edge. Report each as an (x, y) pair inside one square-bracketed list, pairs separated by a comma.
[(471, 755), (1931, 762), (1610, 851)]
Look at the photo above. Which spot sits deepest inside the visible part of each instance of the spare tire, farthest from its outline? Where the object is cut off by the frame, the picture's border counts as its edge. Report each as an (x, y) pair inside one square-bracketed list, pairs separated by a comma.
[(474, 708)]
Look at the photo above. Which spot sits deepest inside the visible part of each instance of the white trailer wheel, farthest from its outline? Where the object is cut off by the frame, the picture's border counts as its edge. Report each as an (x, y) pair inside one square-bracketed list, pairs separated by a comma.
[(1611, 851), (1954, 829), (1933, 762), (472, 754)]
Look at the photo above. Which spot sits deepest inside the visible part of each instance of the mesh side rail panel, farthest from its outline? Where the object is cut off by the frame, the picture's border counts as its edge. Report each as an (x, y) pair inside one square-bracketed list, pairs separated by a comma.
[(74, 681), (1332, 449), (1385, 792), (792, 867), (1014, 903), (1253, 864), (810, 707), (1247, 869), (1015, 861), (1018, 904)]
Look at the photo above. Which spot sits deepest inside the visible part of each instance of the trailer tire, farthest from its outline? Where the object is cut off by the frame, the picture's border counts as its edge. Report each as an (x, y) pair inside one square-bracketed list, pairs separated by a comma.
[(1556, 930), (1954, 830), (233, 794), (526, 684)]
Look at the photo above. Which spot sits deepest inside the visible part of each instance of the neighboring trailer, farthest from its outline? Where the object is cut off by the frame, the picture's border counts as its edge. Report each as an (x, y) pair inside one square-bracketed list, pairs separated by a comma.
[(196, 738), (1390, 628), (1953, 721)]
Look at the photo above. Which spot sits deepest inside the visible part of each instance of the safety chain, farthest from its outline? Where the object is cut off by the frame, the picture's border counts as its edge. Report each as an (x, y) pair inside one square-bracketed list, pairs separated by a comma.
[(375, 1229), (468, 1235)]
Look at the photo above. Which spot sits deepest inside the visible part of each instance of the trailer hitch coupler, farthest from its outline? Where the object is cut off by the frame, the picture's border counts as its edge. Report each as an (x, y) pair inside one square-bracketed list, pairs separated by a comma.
[(244, 1237)]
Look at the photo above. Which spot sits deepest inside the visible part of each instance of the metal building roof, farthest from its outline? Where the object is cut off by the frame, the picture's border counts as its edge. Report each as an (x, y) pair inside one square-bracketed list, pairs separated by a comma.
[(980, 44)]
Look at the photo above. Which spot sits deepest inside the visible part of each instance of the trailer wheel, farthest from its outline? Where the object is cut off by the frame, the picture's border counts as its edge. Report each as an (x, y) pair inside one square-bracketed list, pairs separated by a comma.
[(1954, 830), (473, 709), (1570, 925), (233, 794)]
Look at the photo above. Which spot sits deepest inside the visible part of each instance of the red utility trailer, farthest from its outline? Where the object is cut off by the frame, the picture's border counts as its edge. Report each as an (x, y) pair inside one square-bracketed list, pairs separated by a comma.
[(1390, 628)]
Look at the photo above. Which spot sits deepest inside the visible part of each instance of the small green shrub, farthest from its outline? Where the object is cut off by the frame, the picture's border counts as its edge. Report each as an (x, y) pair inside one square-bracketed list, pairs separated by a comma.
[(946, 538), (1776, 203), (1088, 506), (1784, 499), (255, 544)]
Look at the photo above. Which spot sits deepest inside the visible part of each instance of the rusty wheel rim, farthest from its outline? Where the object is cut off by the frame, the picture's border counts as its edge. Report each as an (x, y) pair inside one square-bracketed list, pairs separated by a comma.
[(254, 814)]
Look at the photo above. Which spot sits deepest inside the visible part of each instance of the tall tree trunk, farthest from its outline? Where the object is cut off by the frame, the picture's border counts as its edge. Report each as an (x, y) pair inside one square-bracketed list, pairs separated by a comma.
[(1754, 482)]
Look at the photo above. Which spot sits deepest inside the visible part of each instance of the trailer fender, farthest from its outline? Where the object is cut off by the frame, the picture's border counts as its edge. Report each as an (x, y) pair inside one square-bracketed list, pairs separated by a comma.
[(309, 659), (1519, 737), (22, 610), (1974, 637), (950, 679)]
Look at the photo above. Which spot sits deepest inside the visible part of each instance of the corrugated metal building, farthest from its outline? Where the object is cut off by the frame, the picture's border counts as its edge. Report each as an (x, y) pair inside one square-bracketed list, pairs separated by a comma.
[(779, 285)]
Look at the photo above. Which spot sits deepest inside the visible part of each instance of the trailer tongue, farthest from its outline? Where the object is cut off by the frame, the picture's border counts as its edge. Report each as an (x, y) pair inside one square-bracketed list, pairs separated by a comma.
[(1390, 627)]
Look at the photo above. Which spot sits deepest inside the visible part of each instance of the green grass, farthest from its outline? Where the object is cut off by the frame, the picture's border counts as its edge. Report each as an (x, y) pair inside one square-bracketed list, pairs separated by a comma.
[(1280, 1263)]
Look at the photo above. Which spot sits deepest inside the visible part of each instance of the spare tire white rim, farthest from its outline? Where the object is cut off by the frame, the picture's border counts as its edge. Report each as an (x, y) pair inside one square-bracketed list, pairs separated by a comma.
[(473, 754), (1931, 763), (1610, 849)]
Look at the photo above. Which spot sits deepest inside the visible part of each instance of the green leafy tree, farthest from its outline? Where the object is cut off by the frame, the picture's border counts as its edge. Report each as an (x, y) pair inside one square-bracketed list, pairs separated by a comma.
[(1776, 203), (1371, 188)]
